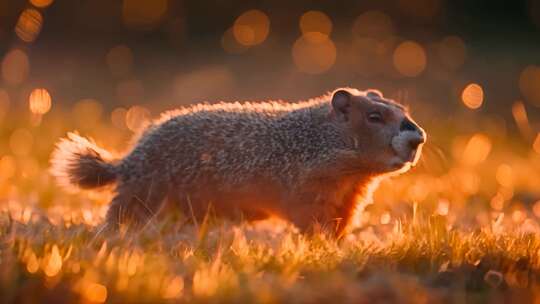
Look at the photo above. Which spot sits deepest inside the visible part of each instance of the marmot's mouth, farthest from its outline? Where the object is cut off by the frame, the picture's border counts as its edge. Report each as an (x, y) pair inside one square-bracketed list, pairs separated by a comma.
[(412, 157), (401, 144)]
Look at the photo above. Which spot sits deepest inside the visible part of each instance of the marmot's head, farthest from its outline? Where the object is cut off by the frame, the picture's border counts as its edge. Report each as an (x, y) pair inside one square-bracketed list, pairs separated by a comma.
[(381, 130)]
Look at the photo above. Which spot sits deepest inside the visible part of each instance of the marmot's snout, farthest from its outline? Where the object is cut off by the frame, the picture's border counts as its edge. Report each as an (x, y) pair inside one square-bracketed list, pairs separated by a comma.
[(408, 143)]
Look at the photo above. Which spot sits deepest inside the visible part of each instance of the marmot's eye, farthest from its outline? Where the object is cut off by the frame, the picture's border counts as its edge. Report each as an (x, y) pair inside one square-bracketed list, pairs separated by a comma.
[(375, 117)]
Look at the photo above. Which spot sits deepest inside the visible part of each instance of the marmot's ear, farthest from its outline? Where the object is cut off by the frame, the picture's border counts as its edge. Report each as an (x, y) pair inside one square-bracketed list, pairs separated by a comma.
[(341, 103), (374, 93)]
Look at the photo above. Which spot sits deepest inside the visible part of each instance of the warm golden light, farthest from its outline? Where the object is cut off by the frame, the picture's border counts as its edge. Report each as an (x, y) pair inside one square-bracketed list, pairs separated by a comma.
[(452, 52), (315, 21), (410, 59), (41, 3), (95, 292), (536, 209), (15, 67), (373, 24), (536, 143), (29, 25), (143, 14), (443, 207), (8, 167), (87, 113), (497, 202), (385, 218), (21, 141), (40, 101), (477, 149), (522, 120), (118, 118), (505, 175), (473, 96), (529, 84), (54, 264), (137, 117), (174, 288), (251, 28), (32, 265), (314, 53), (120, 60)]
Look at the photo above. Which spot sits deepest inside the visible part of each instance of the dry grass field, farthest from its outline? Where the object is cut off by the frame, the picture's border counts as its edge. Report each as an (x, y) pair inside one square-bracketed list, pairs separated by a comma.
[(462, 226)]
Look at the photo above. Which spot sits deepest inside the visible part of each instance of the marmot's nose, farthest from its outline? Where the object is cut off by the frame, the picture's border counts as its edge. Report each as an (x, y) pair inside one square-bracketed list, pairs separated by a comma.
[(419, 136), (408, 125), (416, 141)]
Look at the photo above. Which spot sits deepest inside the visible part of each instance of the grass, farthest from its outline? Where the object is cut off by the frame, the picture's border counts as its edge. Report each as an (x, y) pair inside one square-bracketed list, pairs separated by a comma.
[(462, 227), (420, 261)]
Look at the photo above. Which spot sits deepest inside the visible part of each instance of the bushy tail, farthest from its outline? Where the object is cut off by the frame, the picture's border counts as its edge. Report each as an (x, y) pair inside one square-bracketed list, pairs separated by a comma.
[(78, 162)]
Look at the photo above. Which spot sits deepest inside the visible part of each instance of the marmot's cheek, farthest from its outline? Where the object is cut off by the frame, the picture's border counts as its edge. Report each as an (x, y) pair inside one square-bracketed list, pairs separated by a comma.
[(403, 145), (400, 144)]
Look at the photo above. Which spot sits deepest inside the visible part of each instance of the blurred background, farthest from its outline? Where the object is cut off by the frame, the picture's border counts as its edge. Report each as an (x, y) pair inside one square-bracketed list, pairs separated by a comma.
[(469, 70)]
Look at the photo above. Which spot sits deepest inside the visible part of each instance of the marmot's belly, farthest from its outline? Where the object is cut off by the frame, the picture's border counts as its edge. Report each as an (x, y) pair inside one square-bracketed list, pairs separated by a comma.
[(253, 200)]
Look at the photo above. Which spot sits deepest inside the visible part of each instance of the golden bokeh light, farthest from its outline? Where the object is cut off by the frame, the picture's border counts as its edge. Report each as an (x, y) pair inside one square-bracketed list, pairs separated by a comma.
[(54, 263), (143, 14), (518, 216), (40, 101), (95, 293), (137, 117), (536, 209), (385, 218), (230, 44), (505, 175), (314, 53), (536, 143), (8, 167), (29, 25), (174, 289), (452, 52), (118, 118), (41, 3), (410, 59), (32, 265), (497, 202), (522, 120), (373, 24), (251, 28), (529, 84), (15, 67), (315, 21), (119, 60), (477, 149), (472, 96), (87, 113), (20, 142), (443, 207)]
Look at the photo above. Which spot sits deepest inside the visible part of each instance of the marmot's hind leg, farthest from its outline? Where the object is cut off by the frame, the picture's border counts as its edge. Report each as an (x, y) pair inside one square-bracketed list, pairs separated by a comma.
[(135, 205)]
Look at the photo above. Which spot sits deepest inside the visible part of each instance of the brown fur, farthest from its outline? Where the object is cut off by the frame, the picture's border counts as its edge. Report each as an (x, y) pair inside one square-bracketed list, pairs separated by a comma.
[(308, 162)]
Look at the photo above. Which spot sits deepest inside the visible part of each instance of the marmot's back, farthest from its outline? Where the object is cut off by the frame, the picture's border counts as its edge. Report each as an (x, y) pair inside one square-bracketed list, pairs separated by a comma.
[(233, 142)]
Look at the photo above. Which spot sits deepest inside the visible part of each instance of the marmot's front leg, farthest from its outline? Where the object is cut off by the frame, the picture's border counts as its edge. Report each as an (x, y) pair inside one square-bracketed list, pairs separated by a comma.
[(324, 212)]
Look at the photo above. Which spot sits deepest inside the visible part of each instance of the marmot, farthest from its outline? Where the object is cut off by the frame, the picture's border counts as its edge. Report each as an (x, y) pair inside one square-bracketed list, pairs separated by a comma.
[(306, 162)]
